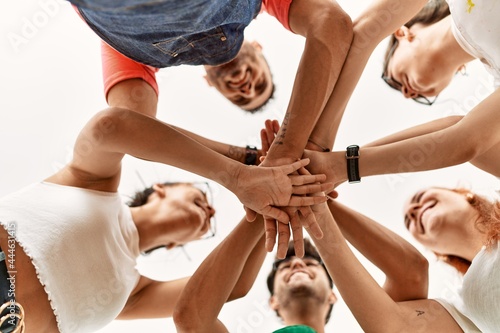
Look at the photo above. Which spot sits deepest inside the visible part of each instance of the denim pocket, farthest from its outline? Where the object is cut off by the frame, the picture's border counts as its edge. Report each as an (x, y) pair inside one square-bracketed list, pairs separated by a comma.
[(210, 47)]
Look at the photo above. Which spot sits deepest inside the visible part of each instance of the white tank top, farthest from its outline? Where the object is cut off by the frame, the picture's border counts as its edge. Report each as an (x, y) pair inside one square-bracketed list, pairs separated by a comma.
[(476, 27), (83, 244), (476, 305)]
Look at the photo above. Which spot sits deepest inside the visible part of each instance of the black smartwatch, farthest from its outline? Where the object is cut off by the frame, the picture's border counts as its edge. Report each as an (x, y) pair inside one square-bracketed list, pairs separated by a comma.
[(251, 155), (352, 157)]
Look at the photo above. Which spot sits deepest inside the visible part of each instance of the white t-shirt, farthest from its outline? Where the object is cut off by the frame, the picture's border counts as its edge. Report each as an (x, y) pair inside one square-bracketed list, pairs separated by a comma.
[(477, 305), (83, 245), (476, 27)]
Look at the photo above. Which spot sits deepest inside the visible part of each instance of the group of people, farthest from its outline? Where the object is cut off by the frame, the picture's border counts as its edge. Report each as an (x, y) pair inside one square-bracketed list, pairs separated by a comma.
[(76, 243)]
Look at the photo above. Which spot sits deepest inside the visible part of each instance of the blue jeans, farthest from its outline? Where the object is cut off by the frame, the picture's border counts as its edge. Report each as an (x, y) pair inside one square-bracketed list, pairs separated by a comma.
[(167, 33)]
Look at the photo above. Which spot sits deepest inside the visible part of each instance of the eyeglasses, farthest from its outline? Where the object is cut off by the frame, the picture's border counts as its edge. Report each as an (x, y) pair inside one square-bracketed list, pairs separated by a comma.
[(398, 86), (203, 187)]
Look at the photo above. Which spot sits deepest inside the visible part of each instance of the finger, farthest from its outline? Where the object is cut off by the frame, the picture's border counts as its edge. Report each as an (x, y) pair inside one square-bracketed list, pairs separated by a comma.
[(303, 171), (283, 239), (312, 188), (290, 168), (297, 201), (270, 130), (307, 179), (298, 237), (310, 223), (250, 214), (276, 126), (271, 232), (276, 213), (334, 194), (264, 141)]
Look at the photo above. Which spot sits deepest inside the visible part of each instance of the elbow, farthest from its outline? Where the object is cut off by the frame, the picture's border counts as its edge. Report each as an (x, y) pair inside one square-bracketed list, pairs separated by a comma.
[(184, 320), (240, 291), (420, 274), (452, 120), (101, 130), (417, 278), (332, 28)]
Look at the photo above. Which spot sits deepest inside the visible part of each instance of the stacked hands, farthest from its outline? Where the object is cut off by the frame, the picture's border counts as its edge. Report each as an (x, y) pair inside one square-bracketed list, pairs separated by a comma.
[(290, 207)]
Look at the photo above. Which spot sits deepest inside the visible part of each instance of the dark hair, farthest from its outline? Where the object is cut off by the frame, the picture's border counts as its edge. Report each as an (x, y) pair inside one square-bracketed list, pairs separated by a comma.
[(140, 198), (487, 222), (311, 252), (434, 11)]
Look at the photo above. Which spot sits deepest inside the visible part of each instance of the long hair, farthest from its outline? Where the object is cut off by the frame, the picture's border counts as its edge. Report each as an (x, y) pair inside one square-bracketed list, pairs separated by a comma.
[(434, 11), (487, 222)]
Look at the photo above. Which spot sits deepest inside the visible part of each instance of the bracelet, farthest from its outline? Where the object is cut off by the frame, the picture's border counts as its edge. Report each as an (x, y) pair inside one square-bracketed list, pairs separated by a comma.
[(325, 150), (251, 155), (352, 157)]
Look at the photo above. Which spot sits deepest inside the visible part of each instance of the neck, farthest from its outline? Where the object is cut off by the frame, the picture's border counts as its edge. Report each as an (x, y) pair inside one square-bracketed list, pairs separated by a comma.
[(471, 243), (305, 312), (144, 221), (445, 45)]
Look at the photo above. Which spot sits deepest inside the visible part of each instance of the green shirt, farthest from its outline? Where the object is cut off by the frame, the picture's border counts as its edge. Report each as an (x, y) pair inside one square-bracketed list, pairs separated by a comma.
[(295, 329)]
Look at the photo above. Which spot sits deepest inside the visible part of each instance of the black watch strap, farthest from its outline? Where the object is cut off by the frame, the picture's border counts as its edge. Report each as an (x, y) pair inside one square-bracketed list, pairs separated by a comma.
[(251, 153), (352, 157)]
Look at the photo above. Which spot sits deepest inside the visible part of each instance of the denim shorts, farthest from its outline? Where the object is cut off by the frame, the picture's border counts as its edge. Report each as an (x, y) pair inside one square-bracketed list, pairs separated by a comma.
[(167, 33)]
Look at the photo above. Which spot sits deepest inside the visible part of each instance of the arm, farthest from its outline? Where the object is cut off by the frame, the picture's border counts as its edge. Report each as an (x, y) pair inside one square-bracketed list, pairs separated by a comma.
[(375, 23), (372, 307), (406, 269), (114, 132), (469, 139), (487, 161), (328, 32), (426, 128), (131, 85), (475, 138), (155, 299), (214, 281)]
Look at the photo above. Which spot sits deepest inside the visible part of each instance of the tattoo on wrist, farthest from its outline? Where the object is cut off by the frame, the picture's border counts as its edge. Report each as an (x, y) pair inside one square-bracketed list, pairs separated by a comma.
[(281, 137), (419, 312), (236, 153)]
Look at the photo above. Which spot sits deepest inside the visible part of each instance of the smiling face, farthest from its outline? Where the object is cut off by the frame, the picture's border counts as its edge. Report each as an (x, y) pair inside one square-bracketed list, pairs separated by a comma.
[(246, 80), (183, 211), (439, 218), (301, 279), (413, 68)]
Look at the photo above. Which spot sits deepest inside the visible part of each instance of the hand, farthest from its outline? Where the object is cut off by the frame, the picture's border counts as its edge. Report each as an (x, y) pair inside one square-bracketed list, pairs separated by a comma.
[(262, 190), (332, 164), (267, 135), (299, 216)]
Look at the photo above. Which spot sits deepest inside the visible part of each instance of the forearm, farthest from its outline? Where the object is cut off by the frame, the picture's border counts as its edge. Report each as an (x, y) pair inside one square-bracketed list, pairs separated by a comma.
[(214, 281), (430, 127), (326, 128), (120, 131), (401, 262), (328, 34), (377, 21), (365, 298), (431, 151), (233, 152)]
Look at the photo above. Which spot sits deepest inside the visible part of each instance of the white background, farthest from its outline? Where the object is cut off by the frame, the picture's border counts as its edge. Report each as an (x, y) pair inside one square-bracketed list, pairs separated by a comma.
[(51, 85)]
